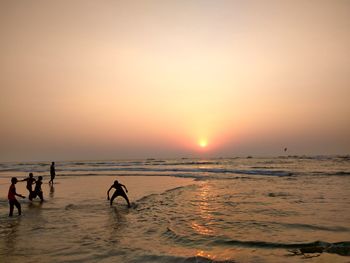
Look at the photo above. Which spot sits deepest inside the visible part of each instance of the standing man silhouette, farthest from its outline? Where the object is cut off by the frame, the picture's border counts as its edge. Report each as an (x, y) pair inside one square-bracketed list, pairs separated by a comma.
[(52, 172), (12, 197)]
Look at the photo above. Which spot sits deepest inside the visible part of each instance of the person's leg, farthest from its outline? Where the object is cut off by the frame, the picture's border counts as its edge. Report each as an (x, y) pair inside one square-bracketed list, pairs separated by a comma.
[(40, 194), (127, 199), (31, 194), (113, 197), (18, 205), (11, 207)]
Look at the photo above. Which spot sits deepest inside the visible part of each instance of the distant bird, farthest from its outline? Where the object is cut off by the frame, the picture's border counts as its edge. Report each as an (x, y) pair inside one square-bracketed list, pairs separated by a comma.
[(285, 149)]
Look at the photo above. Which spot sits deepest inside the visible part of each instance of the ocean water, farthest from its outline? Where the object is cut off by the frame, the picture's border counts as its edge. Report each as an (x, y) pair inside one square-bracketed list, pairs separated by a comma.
[(282, 209)]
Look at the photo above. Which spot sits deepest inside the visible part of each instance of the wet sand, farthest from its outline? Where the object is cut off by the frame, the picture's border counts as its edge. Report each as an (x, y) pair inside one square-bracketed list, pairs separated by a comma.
[(75, 218), (70, 189)]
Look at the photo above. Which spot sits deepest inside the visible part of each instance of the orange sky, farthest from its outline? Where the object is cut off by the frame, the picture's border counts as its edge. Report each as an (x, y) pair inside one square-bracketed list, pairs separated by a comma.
[(134, 79)]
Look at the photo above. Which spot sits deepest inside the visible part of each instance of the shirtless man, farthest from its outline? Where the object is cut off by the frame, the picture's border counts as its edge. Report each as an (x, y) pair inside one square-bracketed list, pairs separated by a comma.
[(118, 192)]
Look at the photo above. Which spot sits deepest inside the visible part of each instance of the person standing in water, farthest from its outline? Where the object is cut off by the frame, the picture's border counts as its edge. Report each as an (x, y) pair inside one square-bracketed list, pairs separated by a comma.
[(30, 181), (12, 197), (38, 191), (118, 192), (52, 172)]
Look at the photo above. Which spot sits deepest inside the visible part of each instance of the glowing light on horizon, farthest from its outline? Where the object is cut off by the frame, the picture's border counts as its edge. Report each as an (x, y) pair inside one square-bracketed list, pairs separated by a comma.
[(203, 143)]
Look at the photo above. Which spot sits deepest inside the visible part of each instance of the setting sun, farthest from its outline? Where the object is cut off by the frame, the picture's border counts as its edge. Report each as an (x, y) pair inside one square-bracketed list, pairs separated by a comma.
[(203, 143)]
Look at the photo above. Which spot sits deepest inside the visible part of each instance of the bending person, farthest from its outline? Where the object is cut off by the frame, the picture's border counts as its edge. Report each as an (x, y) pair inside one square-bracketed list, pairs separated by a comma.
[(118, 192)]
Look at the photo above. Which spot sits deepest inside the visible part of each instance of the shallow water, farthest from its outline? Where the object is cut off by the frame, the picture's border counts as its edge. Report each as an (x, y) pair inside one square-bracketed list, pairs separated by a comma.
[(233, 210)]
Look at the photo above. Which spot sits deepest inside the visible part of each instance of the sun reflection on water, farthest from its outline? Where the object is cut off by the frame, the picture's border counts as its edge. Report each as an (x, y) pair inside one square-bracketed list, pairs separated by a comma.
[(204, 254), (201, 229), (204, 210)]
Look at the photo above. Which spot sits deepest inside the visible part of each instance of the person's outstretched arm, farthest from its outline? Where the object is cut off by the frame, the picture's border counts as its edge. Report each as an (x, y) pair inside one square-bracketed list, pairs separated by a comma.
[(109, 191), (19, 195), (124, 187)]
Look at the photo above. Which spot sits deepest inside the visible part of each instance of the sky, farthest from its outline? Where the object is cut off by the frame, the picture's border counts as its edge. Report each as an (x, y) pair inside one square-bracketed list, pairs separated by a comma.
[(84, 80)]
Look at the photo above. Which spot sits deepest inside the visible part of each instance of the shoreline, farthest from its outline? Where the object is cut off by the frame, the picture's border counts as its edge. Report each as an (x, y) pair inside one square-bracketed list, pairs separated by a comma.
[(72, 189)]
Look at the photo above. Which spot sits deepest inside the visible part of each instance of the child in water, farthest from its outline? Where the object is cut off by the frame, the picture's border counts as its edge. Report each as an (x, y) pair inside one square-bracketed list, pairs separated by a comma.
[(118, 192), (12, 197), (30, 181), (37, 191)]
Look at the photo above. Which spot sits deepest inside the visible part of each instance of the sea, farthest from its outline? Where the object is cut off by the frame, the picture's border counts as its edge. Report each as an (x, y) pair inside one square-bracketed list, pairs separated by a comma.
[(239, 209)]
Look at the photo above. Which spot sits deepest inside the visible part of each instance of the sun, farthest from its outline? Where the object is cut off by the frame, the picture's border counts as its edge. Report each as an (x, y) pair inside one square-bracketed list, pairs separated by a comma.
[(203, 143)]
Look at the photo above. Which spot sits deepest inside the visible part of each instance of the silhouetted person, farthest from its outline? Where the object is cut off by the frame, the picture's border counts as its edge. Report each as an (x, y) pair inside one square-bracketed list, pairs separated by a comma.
[(52, 172), (12, 197), (118, 192), (30, 181), (37, 191)]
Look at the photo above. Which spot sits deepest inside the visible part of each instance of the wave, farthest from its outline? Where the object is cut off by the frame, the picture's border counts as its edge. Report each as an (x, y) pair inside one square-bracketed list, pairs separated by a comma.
[(196, 168), (341, 173), (178, 259), (316, 227), (175, 189), (196, 177), (188, 170), (267, 172), (296, 225), (340, 248), (192, 163), (171, 234)]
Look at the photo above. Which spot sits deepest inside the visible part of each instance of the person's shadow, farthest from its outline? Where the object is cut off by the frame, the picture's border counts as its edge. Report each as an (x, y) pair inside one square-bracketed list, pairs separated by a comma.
[(52, 191), (116, 224), (117, 219)]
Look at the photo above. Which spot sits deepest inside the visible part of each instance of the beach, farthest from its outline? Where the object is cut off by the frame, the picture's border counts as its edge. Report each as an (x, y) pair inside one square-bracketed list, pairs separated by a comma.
[(185, 210), (227, 122)]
